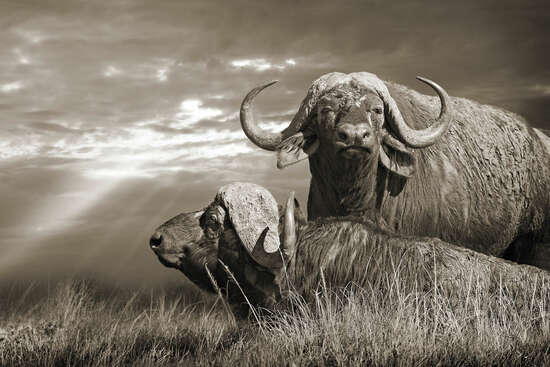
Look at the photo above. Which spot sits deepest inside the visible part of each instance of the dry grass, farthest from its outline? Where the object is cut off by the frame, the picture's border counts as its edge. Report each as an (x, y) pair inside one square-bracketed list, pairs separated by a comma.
[(80, 323)]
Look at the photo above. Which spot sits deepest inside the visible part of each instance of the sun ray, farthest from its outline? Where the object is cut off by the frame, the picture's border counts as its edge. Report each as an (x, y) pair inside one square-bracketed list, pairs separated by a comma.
[(61, 213)]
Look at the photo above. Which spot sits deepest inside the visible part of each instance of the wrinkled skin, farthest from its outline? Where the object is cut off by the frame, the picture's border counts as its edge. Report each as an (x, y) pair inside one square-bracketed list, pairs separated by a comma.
[(484, 183), (346, 250)]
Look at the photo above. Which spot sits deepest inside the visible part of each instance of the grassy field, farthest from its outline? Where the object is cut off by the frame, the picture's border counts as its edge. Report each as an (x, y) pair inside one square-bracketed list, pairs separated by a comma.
[(83, 323)]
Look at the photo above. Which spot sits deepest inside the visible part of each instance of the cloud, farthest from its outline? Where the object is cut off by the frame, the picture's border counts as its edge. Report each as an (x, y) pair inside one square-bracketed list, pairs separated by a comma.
[(11, 87), (542, 89), (31, 35), (261, 64), (139, 151), (191, 112), (157, 69), (21, 57), (111, 71), (273, 126), (15, 148), (118, 172), (162, 74)]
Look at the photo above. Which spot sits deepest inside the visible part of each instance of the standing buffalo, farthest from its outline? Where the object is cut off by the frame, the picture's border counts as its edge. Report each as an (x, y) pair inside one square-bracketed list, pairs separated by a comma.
[(475, 175), (240, 232)]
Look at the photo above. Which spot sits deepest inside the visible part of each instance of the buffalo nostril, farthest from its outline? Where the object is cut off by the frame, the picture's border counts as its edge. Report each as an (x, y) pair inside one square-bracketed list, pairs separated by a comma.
[(366, 134), (186, 251), (155, 241)]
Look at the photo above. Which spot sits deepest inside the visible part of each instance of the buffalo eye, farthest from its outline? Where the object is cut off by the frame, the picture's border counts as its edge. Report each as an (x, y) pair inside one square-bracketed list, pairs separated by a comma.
[(212, 227), (213, 223), (378, 110), (326, 110)]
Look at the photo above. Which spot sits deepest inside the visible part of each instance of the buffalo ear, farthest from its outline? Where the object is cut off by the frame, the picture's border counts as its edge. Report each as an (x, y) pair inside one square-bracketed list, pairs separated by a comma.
[(396, 157), (296, 148)]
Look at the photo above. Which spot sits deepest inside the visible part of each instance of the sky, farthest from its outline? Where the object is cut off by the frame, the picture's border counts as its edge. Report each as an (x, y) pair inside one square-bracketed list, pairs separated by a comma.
[(117, 115)]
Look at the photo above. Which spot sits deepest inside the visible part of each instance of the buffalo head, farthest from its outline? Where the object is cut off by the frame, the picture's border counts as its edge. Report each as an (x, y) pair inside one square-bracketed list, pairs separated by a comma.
[(240, 231), (348, 117)]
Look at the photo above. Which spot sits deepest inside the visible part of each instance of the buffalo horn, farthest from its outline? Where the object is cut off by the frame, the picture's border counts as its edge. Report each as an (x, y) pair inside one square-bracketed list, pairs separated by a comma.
[(426, 137), (274, 260), (289, 230), (264, 139)]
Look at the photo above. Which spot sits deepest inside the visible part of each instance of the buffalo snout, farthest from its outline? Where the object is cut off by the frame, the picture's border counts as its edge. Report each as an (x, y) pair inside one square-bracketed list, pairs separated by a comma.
[(354, 140), (349, 134)]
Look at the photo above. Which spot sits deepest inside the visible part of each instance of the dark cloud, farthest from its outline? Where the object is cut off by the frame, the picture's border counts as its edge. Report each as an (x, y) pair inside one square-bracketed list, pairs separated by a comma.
[(536, 109), (48, 126)]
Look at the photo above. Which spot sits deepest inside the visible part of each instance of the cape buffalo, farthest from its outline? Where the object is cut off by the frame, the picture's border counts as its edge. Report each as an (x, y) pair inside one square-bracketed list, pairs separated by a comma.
[(467, 173), (240, 232)]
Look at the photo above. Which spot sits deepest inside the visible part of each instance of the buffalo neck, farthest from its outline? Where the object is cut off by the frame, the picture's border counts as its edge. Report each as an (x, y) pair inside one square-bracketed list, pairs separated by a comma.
[(344, 187)]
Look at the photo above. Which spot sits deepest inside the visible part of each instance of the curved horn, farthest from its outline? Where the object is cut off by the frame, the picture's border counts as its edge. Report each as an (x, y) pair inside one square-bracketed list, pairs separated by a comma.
[(262, 138), (289, 230), (269, 257), (426, 137), (272, 260)]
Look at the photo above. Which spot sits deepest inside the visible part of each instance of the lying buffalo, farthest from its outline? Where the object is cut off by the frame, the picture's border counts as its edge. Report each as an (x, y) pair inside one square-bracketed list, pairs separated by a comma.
[(268, 256), (474, 175)]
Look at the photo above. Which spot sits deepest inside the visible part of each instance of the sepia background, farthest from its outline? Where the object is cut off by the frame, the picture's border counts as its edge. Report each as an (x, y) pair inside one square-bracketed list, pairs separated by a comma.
[(117, 115)]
